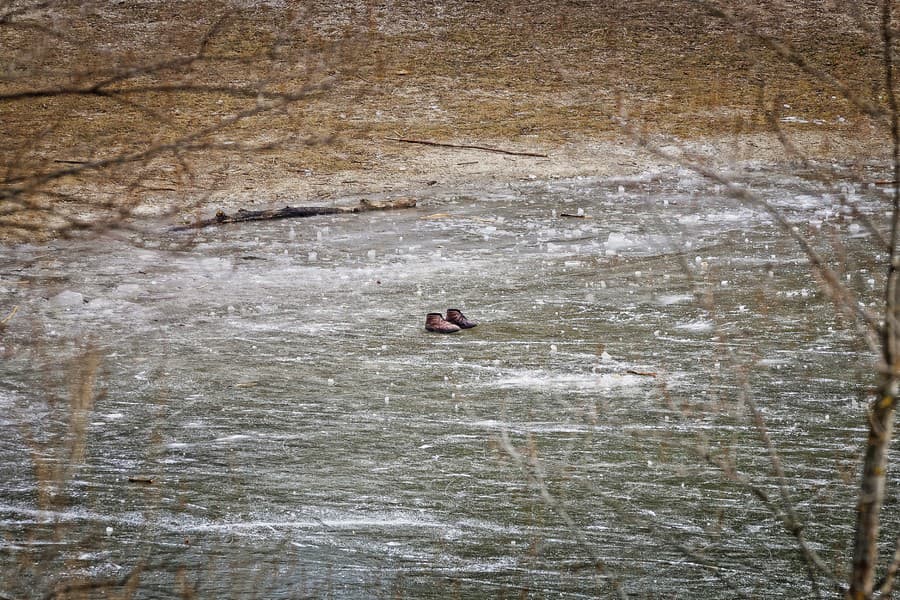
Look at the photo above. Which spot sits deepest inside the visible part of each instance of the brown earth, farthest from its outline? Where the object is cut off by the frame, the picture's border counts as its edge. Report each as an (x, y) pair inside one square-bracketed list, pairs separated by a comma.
[(546, 77)]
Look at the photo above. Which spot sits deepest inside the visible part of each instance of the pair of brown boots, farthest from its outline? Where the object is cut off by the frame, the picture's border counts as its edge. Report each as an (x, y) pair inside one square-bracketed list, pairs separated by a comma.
[(436, 323)]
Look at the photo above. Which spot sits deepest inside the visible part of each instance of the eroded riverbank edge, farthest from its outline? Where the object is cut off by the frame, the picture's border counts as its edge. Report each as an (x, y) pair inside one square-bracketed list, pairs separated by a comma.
[(425, 171)]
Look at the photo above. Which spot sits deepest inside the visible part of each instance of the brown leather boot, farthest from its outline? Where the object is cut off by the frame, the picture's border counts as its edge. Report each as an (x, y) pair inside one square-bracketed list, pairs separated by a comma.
[(457, 318), (435, 323)]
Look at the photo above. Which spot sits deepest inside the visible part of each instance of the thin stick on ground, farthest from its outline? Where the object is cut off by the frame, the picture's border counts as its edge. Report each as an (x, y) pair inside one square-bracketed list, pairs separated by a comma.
[(467, 147)]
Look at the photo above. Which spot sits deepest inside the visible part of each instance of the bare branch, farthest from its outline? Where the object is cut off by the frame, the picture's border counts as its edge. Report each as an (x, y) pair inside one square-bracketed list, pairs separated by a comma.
[(109, 82), (191, 141), (128, 581), (881, 413), (466, 146), (791, 526), (791, 519), (102, 90), (531, 467), (773, 117), (886, 586), (833, 286), (785, 511), (708, 563), (789, 54), (863, 218)]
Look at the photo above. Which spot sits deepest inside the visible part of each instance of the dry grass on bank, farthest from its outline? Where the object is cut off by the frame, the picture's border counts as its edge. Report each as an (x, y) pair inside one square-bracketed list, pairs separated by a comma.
[(540, 76)]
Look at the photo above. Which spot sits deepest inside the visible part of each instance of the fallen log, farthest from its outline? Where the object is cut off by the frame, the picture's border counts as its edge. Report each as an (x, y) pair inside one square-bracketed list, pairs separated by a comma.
[(294, 212)]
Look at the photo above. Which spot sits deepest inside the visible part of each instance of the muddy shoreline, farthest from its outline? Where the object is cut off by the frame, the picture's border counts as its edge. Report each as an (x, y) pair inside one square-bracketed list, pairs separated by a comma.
[(554, 78), (426, 171)]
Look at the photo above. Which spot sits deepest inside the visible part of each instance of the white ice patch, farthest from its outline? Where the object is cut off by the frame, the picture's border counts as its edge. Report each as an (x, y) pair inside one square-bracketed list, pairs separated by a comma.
[(727, 217), (617, 242), (695, 325), (233, 438), (670, 299), (379, 520), (620, 241), (545, 379), (801, 120), (67, 298), (128, 289)]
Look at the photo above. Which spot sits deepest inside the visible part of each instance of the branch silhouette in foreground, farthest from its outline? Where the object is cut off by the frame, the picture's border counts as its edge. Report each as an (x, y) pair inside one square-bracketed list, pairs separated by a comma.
[(167, 110), (884, 329)]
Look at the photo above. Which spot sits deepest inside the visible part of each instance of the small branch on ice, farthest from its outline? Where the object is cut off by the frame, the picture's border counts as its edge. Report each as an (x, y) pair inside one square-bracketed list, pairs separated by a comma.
[(641, 373), (140, 479)]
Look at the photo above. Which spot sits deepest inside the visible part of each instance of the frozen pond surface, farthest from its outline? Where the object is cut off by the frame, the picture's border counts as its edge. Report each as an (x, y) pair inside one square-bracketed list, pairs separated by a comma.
[(306, 437)]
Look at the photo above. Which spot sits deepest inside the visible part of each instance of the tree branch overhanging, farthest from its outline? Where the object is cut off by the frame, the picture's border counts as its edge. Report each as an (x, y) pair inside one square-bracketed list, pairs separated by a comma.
[(789, 54), (839, 292), (192, 140), (32, 175), (882, 409)]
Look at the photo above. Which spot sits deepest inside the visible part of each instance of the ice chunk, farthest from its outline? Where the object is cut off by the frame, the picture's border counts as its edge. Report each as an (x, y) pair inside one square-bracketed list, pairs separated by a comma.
[(695, 325), (619, 241), (128, 289), (669, 299), (67, 298)]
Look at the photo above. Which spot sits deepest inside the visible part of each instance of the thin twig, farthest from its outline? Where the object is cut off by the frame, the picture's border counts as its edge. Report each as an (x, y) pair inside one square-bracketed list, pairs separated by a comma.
[(466, 146), (881, 411), (863, 218), (126, 581), (10, 315), (773, 117), (791, 519), (533, 470), (886, 585), (194, 140), (103, 89), (785, 513), (811, 558), (716, 570), (796, 58), (833, 286)]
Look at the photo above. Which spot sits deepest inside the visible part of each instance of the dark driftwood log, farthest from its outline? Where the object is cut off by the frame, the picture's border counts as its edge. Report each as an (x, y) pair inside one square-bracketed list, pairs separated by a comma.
[(294, 212)]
